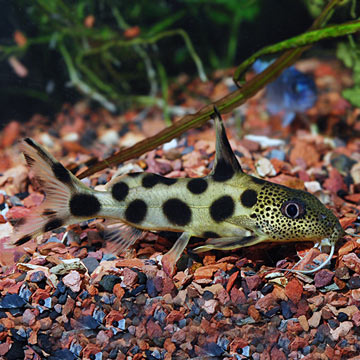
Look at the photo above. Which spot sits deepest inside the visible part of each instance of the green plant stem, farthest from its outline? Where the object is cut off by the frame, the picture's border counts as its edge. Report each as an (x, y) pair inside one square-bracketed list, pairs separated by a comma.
[(151, 40), (83, 87), (226, 104), (304, 39)]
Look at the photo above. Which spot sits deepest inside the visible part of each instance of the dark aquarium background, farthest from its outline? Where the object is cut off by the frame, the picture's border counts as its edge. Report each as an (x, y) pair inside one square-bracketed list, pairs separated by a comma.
[(129, 52)]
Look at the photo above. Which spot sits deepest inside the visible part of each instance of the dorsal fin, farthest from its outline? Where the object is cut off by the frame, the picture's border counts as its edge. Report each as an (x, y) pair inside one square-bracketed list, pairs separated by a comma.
[(226, 164)]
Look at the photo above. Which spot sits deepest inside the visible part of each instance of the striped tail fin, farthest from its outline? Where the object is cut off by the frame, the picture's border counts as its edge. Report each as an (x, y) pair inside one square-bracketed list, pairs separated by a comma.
[(62, 191)]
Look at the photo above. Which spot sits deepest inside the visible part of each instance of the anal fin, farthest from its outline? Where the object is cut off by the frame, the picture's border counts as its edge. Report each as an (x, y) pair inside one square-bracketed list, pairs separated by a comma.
[(119, 236), (228, 243)]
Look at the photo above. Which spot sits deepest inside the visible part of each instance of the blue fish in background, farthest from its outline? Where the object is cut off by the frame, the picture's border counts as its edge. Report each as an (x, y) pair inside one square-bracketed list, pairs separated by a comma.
[(292, 92)]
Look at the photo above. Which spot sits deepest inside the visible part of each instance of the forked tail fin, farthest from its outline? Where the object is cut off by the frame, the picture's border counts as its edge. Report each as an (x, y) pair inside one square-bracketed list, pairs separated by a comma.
[(66, 198)]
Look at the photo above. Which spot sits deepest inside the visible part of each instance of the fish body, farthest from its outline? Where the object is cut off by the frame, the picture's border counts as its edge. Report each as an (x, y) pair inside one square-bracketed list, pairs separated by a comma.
[(228, 207), (292, 92)]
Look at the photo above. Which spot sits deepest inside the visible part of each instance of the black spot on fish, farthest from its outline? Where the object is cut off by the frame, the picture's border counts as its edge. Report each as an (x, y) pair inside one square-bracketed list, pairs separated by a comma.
[(18, 222), (120, 191), (167, 181), (39, 150), (177, 212), (23, 240), (84, 205), (29, 160), (222, 208), (53, 224), (150, 180), (249, 198), (135, 174), (48, 212), (210, 235), (61, 173), (197, 186), (257, 180), (136, 211), (223, 171)]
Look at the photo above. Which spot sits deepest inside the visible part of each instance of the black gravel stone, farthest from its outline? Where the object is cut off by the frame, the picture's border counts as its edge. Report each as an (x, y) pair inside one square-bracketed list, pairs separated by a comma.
[(150, 288), (275, 310), (284, 343), (88, 322), (84, 295), (354, 282), (138, 290), (333, 323), (286, 310), (141, 276), (62, 299), (213, 349), (108, 282), (268, 288), (16, 351), (54, 314), (113, 353), (72, 294), (342, 316), (208, 295), (63, 354), (44, 314), (37, 276), (12, 301), (306, 350), (91, 263), (149, 356), (61, 287), (18, 335), (43, 340)]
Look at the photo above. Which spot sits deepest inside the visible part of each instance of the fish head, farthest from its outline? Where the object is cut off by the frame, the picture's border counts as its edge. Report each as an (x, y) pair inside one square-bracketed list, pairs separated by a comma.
[(285, 214)]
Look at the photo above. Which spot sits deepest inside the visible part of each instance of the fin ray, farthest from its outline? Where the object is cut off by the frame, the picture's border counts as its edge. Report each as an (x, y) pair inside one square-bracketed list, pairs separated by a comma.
[(121, 236), (57, 183), (228, 243), (170, 259), (226, 163)]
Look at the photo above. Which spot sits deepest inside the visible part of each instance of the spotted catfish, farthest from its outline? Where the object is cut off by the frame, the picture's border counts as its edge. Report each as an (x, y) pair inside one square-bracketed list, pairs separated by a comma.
[(228, 207)]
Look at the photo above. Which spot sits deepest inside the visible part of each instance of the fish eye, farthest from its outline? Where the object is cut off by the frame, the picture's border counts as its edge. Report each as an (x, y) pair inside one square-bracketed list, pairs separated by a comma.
[(293, 209)]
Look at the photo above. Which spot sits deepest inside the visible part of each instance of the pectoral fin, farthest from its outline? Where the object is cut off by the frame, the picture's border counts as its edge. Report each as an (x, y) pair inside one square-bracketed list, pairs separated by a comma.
[(229, 243), (170, 259)]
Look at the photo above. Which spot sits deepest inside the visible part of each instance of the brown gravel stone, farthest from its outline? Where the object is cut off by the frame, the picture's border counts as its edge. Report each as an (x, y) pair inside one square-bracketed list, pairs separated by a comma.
[(153, 329), (237, 296), (277, 354), (315, 319), (266, 303), (253, 281), (175, 315), (303, 322), (254, 313)]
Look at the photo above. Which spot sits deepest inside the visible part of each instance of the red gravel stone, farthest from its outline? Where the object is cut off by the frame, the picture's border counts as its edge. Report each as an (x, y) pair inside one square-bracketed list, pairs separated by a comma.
[(294, 290)]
